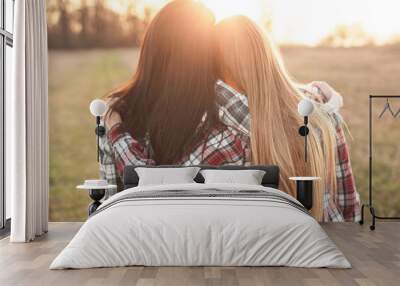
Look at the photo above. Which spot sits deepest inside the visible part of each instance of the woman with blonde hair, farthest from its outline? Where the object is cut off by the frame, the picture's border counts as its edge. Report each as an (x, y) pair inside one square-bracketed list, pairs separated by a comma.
[(256, 85)]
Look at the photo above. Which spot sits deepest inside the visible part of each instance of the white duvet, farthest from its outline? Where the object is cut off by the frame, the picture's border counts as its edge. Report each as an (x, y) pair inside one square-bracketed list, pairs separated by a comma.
[(201, 231)]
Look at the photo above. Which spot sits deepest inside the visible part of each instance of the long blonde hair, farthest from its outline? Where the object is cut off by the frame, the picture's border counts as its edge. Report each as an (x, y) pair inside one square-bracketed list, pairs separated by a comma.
[(249, 59)]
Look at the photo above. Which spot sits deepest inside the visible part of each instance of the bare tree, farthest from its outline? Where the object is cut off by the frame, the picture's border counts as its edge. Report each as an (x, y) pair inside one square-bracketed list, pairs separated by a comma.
[(84, 17), (99, 22), (93, 24), (64, 23), (134, 24)]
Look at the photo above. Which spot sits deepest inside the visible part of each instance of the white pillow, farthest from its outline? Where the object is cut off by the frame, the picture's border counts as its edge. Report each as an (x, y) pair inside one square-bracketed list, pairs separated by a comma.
[(248, 177), (165, 176)]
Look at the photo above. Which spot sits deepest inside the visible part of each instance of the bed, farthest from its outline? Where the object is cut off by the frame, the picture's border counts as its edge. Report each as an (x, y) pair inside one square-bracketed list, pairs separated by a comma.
[(201, 224)]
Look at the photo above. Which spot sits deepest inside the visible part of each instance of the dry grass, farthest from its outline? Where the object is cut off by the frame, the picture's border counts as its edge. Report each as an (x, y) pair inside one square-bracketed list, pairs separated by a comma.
[(77, 77), (356, 73)]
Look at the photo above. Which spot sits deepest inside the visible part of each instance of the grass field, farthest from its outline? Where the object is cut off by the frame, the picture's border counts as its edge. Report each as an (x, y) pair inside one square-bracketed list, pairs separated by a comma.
[(77, 77)]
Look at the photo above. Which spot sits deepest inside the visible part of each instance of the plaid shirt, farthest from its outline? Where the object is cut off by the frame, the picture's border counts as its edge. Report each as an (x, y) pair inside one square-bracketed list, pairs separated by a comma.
[(346, 205), (229, 146), (225, 146)]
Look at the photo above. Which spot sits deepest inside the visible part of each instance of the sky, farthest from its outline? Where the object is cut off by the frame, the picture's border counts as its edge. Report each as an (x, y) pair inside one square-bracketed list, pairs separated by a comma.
[(308, 21)]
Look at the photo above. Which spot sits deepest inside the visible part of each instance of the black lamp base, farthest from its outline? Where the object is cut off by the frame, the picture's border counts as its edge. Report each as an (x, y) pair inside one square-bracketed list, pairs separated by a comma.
[(96, 195)]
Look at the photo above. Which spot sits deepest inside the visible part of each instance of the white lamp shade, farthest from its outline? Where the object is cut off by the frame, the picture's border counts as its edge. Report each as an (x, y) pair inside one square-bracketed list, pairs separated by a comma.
[(305, 107), (98, 107)]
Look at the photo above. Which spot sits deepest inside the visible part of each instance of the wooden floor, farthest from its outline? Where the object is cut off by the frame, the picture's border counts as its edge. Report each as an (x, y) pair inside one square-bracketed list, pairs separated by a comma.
[(375, 257)]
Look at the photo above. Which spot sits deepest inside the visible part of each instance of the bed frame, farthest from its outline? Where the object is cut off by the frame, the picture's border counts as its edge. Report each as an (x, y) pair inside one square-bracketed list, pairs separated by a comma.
[(270, 179)]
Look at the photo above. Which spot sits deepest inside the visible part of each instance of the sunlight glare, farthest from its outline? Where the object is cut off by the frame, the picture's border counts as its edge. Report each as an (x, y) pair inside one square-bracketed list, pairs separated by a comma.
[(294, 22), (226, 8)]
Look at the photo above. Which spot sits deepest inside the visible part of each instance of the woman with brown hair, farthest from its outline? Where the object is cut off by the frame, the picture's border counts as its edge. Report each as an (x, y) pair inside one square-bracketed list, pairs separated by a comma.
[(167, 113), (256, 85)]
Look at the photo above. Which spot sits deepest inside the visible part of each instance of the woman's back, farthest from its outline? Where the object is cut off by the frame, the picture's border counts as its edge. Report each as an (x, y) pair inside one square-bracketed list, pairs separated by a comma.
[(173, 86)]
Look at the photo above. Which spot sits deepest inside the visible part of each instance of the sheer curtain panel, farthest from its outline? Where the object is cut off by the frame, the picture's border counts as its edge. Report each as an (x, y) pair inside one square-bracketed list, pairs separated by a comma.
[(27, 123)]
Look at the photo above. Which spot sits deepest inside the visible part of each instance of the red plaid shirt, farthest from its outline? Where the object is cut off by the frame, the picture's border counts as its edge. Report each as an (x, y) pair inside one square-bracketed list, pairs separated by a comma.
[(225, 146)]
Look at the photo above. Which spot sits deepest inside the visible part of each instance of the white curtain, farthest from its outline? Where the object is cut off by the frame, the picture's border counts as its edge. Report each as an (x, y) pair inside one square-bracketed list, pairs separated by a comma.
[(27, 124)]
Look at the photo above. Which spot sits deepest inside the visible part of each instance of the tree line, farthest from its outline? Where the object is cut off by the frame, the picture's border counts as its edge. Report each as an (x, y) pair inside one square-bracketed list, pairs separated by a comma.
[(85, 24), (93, 24)]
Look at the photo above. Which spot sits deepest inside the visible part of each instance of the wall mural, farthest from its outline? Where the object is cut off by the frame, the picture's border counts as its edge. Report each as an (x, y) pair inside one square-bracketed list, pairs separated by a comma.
[(196, 84)]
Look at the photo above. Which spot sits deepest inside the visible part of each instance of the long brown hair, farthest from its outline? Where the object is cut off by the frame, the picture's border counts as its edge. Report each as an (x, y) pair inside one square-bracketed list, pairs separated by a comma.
[(173, 87), (251, 61)]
